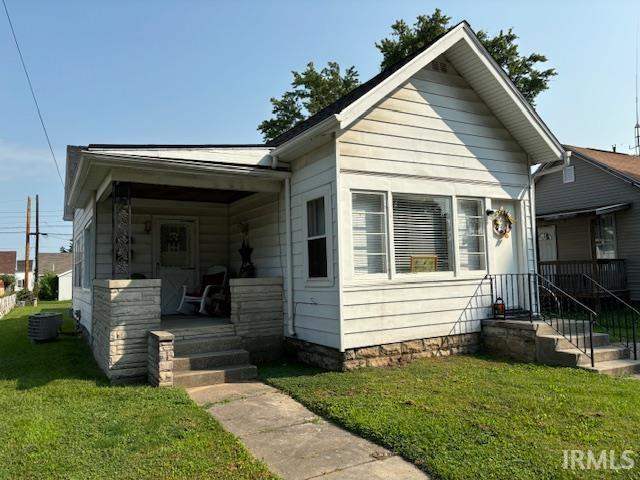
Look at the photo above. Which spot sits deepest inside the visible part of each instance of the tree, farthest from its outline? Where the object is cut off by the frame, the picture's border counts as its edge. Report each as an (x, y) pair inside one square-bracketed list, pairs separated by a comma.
[(312, 91), (48, 287), (503, 47)]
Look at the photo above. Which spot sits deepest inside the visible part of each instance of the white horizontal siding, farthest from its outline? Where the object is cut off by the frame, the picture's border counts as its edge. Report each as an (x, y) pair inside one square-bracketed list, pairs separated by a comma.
[(82, 298), (316, 308), (435, 136), (380, 314)]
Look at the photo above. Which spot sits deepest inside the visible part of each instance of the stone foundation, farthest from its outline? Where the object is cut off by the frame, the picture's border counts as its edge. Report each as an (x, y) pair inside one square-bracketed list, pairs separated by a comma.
[(160, 359), (510, 338), (388, 354), (256, 313), (124, 311)]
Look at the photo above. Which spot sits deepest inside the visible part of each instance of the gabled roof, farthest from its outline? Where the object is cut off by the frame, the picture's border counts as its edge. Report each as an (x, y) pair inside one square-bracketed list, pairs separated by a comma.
[(468, 56), (54, 262), (625, 165)]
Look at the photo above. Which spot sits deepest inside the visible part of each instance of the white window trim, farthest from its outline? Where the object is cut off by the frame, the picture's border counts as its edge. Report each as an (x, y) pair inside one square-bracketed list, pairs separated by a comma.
[(386, 195), (325, 192), (87, 261), (483, 207), (393, 278)]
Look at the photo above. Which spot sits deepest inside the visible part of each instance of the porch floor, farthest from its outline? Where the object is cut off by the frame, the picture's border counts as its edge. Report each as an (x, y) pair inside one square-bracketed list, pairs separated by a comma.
[(185, 327)]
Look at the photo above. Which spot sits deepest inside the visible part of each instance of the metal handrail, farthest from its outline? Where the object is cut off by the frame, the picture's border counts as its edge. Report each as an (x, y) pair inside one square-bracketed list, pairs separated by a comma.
[(565, 293), (612, 294), (634, 321)]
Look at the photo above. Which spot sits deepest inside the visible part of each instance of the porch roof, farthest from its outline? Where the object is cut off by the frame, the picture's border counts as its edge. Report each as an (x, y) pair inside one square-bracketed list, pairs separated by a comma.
[(584, 212), (95, 168)]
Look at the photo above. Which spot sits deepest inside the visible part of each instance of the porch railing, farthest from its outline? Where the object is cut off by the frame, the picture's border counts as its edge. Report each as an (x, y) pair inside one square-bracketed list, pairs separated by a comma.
[(527, 296), (617, 318), (570, 275)]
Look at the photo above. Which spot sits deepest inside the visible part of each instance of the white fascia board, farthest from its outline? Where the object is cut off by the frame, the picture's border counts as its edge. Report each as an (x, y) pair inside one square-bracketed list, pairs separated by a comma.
[(329, 123), (354, 111), (257, 156), (505, 82), (461, 33)]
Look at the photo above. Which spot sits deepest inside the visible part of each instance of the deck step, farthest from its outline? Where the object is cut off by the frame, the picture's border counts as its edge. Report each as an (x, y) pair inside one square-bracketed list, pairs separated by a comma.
[(206, 344), (198, 378), (209, 360), (616, 367)]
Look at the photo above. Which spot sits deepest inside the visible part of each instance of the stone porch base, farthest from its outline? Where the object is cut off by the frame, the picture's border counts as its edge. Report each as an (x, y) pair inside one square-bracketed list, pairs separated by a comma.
[(381, 355)]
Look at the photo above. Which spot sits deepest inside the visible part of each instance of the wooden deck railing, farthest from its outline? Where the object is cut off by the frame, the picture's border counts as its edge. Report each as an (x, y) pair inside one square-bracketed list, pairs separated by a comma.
[(569, 274)]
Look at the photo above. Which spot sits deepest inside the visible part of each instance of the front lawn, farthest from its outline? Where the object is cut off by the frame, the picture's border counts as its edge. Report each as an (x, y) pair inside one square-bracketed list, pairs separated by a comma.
[(469, 417), (59, 418)]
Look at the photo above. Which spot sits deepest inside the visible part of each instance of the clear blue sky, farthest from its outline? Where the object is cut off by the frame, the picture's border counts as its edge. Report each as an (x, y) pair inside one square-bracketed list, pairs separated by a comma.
[(203, 72)]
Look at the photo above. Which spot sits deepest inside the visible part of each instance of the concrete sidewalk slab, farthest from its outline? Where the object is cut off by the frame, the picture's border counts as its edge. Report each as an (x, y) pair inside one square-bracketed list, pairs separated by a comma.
[(294, 442)]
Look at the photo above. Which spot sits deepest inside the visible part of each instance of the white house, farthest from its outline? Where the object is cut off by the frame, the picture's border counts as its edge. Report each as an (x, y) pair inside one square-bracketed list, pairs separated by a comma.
[(368, 223), (65, 285)]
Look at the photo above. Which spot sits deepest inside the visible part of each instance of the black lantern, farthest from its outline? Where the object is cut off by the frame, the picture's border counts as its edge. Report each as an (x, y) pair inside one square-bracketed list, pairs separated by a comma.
[(499, 309)]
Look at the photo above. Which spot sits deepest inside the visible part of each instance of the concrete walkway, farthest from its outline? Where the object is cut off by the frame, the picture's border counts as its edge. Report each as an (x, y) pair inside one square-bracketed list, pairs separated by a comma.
[(294, 442)]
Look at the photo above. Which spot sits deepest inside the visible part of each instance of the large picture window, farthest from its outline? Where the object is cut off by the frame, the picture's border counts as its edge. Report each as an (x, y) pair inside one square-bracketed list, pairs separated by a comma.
[(368, 220), (471, 234), (422, 233)]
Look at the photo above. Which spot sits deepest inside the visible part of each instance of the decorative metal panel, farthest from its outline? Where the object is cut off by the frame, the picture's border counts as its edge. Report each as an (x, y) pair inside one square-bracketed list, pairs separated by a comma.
[(121, 230)]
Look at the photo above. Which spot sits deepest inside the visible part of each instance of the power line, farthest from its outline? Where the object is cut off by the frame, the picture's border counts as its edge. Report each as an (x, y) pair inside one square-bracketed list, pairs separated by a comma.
[(33, 94)]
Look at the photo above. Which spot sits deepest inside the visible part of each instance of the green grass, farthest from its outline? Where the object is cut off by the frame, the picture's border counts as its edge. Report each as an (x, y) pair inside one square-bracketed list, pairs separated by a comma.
[(469, 417), (59, 418)]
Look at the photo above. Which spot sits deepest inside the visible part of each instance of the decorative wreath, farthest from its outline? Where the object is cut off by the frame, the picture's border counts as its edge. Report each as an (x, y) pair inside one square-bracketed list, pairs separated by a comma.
[(502, 222)]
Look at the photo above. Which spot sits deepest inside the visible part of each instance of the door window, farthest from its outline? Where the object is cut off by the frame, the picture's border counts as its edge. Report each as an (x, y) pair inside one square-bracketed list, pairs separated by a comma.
[(175, 245)]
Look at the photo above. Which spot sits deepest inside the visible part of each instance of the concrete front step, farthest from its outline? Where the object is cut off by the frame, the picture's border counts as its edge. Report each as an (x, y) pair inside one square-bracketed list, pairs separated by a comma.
[(209, 360), (564, 343), (577, 357), (616, 367), (191, 333), (207, 344), (198, 378)]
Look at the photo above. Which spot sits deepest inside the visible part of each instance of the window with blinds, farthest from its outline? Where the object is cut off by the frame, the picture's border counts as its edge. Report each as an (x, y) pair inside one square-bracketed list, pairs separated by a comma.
[(369, 233), (471, 234), (422, 233)]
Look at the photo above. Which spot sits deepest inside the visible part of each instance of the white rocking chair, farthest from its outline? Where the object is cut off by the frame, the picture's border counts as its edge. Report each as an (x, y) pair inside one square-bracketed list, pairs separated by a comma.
[(209, 290)]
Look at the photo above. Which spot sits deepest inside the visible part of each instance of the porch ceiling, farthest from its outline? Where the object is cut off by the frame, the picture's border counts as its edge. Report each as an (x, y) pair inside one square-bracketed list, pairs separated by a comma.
[(97, 171), (188, 194)]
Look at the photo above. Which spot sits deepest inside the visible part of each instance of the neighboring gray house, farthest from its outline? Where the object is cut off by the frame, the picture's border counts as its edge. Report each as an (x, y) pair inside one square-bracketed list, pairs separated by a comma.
[(588, 220)]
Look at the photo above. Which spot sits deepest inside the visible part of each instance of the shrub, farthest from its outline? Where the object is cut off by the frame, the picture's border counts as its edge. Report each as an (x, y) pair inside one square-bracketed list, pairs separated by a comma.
[(25, 295), (9, 281), (48, 287)]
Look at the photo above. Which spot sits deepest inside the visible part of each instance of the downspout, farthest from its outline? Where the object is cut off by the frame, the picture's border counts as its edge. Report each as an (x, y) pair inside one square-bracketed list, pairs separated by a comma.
[(287, 206)]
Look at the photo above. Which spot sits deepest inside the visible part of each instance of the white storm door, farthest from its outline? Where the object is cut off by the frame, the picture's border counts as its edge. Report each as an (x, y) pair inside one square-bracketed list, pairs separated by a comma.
[(547, 246), (175, 259)]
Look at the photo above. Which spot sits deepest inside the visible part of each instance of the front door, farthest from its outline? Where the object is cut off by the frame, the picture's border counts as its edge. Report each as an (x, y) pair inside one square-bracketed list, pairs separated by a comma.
[(175, 258), (547, 247), (506, 257)]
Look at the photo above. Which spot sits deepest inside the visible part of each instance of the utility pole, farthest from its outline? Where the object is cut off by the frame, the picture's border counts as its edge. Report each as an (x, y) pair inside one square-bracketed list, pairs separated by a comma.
[(36, 269), (27, 245)]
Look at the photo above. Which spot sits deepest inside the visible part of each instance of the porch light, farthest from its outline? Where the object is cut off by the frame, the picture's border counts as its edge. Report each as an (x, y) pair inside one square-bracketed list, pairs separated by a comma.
[(499, 309)]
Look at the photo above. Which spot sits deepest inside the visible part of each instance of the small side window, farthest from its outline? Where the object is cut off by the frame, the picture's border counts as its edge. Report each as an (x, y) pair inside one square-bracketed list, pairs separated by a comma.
[(316, 238), (568, 174)]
